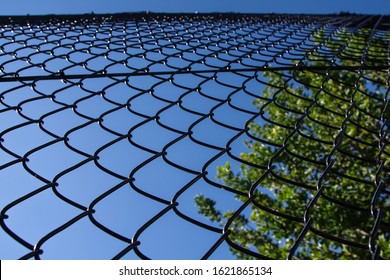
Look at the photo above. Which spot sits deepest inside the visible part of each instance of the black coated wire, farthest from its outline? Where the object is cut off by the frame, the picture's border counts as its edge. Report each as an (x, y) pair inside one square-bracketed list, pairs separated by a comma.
[(166, 46)]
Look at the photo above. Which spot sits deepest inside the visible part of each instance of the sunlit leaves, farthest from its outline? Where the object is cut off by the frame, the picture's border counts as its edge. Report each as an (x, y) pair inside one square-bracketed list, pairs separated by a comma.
[(318, 117)]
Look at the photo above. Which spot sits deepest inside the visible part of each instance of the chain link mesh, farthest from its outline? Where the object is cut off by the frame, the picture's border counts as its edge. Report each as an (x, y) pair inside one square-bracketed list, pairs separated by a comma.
[(274, 126)]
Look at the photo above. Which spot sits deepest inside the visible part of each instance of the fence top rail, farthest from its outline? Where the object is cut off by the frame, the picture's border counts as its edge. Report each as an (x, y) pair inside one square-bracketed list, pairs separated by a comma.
[(336, 19)]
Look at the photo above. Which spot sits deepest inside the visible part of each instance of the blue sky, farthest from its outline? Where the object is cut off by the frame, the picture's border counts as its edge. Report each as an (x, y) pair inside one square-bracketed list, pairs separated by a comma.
[(24, 7), (124, 211)]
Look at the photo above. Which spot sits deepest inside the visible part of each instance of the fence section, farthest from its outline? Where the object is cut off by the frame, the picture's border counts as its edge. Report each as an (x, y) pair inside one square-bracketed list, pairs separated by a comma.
[(170, 136)]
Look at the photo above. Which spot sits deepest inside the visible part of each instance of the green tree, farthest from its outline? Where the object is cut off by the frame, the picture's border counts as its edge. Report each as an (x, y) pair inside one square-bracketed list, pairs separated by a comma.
[(322, 129)]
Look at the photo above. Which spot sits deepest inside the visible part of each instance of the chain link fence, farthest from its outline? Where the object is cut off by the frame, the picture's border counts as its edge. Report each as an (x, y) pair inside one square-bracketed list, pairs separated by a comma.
[(176, 136)]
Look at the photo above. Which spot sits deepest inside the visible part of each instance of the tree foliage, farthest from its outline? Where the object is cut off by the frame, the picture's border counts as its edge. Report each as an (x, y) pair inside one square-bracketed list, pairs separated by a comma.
[(319, 130)]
